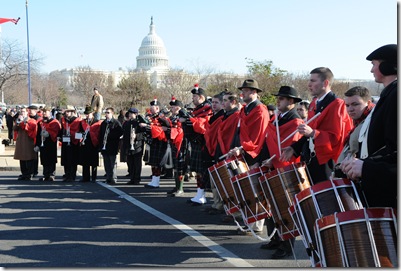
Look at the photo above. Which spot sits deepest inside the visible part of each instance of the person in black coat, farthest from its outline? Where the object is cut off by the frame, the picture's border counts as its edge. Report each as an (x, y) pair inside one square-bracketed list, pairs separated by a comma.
[(133, 146), (109, 138), (376, 170), (88, 147), (46, 144)]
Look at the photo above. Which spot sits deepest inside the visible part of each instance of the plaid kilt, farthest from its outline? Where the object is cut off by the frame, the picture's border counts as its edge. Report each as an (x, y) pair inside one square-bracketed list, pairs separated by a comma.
[(157, 150), (180, 161), (196, 163)]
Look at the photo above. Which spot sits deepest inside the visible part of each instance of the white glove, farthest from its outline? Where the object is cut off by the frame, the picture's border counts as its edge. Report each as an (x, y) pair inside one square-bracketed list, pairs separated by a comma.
[(45, 133), (36, 149)]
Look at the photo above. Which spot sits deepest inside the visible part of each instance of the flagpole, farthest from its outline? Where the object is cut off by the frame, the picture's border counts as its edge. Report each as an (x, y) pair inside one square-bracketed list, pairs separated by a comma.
[(1, 66), (29, 62)]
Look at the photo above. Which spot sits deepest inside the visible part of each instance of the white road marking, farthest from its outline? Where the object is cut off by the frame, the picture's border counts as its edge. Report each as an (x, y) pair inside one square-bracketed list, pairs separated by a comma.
[(216, 248)]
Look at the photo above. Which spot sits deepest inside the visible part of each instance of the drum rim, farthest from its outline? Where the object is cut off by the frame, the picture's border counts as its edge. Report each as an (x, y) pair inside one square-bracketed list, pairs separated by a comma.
[(322, 187), (250, 172), (284, 169), (374, 213)]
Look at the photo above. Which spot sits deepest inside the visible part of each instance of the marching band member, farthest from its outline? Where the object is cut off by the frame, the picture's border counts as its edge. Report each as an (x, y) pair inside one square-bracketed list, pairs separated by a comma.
[(69, 148), (211, 136), (47, 142), (225, 139), (194, 127), (179, 148), (33, 113), (89, 146), (251, 133), (109, 138), (133, 146), (323, 138), (158, 144), (376, 169), (288, 121), (358, 102), (26, 129)]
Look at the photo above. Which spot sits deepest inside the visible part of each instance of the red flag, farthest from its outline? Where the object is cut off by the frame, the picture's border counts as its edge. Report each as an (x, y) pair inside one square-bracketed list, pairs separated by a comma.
[(5, 20)]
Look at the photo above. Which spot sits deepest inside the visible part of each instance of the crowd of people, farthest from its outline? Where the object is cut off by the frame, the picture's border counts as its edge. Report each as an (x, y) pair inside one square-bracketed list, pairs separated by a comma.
[(348, 137)]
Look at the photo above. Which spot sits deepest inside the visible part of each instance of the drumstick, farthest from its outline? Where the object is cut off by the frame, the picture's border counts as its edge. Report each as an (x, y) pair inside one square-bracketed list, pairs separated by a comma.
[(277, 130), (225, 155), (288, 137), (268, 160)]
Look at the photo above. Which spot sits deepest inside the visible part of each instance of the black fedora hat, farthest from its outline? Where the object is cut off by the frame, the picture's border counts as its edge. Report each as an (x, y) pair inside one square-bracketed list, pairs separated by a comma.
[(289, 92), (250, 83)]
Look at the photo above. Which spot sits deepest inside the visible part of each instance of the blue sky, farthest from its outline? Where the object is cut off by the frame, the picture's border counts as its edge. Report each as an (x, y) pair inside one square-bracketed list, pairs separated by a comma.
[(296, 35)]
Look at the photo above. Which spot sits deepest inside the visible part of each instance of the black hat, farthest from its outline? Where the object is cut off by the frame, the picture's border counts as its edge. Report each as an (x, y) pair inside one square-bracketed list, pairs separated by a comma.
[(175, 102), (33, 107), (88, 109), (289, 92), (250, 83), (133, 110), (271, 107), (155, 102), (199, 91), (387, 54)]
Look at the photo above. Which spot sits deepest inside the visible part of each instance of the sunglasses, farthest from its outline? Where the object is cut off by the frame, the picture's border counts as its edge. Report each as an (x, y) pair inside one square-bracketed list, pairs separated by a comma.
[(107, 112)]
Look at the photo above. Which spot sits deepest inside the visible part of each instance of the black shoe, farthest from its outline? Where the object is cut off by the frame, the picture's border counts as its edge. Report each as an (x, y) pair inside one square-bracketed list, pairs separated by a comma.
[(83, 181), (280, 254), (149, 186), (172, 191), (111, 182), (134, 182), (68, 180), (271, 245)]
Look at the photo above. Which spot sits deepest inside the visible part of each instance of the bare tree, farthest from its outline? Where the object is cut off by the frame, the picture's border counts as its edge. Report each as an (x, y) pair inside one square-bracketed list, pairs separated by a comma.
[(177, 83), (85, 79), (14, 66), (134, 90)]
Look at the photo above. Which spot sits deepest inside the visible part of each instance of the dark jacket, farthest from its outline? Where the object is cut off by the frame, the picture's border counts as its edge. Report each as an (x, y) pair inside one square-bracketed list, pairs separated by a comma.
[(113, 138), (379, 172)]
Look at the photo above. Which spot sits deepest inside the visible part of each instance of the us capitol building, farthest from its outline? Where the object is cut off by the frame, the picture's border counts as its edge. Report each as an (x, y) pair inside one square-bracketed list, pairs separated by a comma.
[(152, 60)]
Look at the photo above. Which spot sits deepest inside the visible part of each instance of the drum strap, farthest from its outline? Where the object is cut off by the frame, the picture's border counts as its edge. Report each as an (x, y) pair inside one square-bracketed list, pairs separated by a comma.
[(363, 135)]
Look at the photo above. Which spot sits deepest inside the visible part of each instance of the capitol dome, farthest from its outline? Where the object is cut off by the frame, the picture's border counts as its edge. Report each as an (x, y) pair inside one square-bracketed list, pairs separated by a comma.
[(152, 53)]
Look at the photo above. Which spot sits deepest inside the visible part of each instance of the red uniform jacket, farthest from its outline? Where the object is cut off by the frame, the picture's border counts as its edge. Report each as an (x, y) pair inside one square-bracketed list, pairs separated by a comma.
[(30, 128), (94, 130), (331, 129), (74, 128), (53, 128), (212, 134), (226, 132), (272, 143), (253, 129)]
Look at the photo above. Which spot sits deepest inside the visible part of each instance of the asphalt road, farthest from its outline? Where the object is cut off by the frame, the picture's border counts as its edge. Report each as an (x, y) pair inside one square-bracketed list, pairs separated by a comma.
[(95, 225)]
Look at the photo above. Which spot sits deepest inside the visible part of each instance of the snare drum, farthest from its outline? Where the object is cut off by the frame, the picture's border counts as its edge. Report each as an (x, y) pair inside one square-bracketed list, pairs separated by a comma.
[(221, 173), (358, 238), (279, 187), (249, 195), (322, 199)]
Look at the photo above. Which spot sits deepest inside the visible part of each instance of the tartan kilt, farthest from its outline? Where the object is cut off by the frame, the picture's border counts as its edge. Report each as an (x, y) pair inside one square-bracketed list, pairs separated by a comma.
[(196, 163), (157, 151), (180, 160)]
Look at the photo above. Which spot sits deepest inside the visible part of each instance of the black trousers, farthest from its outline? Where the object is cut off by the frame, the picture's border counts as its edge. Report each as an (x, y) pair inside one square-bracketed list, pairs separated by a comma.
[(49, 170), (320, 173), (26, 167), (70, 171), (86, 173), (134, 163)]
